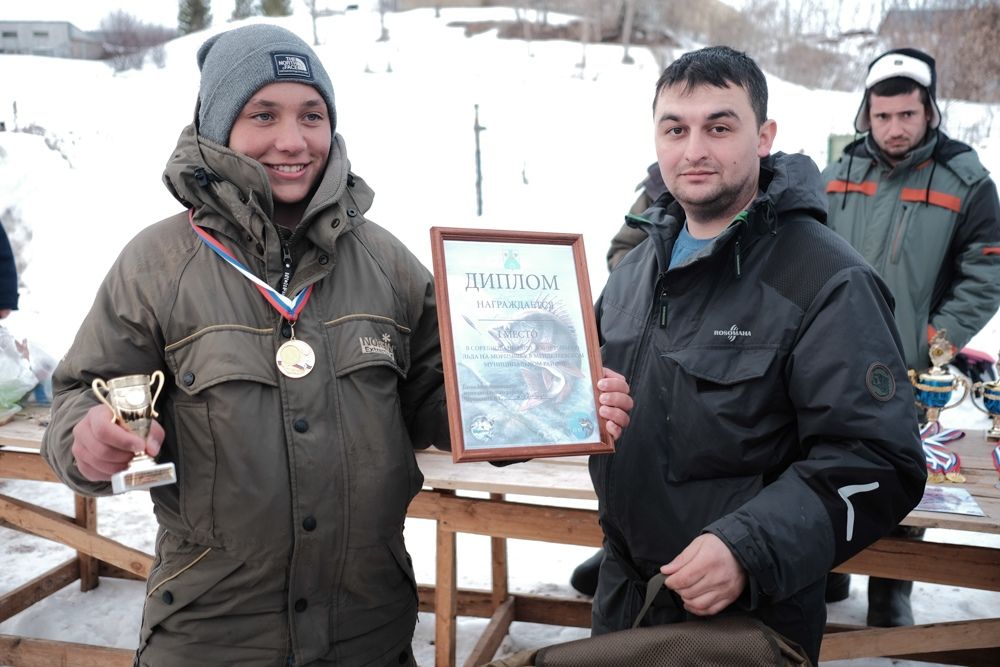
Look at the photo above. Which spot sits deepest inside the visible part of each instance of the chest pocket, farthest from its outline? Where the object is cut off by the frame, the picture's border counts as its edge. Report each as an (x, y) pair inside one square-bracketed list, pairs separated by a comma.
[(225, 377), (369, 341), (728, 402)]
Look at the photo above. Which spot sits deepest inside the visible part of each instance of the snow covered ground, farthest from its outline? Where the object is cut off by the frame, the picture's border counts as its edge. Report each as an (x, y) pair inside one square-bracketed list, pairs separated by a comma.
[(563, 150)]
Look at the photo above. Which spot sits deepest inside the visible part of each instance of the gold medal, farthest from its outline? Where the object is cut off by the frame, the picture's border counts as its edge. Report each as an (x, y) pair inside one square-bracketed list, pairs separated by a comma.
[(295, 358)]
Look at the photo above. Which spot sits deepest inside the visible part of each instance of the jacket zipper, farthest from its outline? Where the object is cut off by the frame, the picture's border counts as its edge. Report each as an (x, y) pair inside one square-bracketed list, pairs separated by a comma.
[(286, 265), (661, 289), (663, 305), (897, 239)]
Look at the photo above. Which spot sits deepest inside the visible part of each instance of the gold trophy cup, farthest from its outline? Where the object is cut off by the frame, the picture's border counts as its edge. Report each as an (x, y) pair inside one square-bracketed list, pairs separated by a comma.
[(988, 393), (933, 388), (131, 402)]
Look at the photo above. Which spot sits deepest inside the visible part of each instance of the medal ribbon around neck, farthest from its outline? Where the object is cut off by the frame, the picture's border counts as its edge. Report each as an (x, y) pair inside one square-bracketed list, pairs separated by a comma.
[(288, 308), (294, 358)]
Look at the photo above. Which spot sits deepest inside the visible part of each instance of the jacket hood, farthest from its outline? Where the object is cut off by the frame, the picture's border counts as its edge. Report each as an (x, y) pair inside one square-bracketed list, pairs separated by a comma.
[(787, 183), (792, 183), (201, 174)]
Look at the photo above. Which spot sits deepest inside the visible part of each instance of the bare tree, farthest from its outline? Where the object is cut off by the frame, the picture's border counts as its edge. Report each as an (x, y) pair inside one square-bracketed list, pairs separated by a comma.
[(127, 40), (193, 15), (961, 35), (276, 7), (629, 16), (311, 6), (244, 9)]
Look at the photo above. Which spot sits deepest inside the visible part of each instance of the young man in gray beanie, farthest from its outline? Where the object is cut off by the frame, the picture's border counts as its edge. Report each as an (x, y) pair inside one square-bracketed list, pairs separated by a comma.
[(922, 209), (300, 345)]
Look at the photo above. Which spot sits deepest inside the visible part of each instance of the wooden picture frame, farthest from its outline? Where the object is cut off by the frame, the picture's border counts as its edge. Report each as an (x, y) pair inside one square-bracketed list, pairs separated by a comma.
[(519, 344)]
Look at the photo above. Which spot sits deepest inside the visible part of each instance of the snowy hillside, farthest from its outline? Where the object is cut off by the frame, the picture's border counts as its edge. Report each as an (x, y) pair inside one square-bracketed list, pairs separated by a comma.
[(562, 150)]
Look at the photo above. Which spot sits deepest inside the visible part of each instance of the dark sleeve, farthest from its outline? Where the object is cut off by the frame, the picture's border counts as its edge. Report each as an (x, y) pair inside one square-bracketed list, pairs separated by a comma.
[(422, 394), (967, 293), (8, 274), (862, 468)]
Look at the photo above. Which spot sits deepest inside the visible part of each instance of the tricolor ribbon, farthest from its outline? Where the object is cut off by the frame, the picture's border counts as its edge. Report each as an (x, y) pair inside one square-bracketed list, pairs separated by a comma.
[(942, 463), (996, 458), (289, 308)]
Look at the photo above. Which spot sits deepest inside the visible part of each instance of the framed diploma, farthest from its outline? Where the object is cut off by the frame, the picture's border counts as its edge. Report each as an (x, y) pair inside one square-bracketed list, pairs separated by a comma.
[(519, 342)]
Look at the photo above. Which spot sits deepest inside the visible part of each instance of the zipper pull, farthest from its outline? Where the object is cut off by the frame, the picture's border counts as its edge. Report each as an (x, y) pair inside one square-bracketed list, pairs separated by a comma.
[(286, 262), (739, 268), (663, 308)]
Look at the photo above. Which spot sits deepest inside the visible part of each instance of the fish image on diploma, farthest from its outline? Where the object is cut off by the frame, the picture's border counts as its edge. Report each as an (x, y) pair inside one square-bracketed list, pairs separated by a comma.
[(547, 345), (523, 373)]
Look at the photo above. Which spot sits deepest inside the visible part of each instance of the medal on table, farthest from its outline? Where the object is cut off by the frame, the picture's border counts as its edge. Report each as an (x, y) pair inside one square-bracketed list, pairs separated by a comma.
[(995, 457), (295, 358)]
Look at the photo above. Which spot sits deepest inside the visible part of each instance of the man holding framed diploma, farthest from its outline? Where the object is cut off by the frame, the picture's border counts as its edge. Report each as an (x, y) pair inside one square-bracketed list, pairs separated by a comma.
[(774, 434)]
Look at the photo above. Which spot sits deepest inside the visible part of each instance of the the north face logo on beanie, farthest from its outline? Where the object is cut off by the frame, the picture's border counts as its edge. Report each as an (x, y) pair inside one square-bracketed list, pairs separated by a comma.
[(291, 66)]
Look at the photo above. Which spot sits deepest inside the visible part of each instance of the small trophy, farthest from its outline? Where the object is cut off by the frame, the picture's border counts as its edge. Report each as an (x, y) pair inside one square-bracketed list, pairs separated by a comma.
[(988, 394), (934, 387), (131, 402)]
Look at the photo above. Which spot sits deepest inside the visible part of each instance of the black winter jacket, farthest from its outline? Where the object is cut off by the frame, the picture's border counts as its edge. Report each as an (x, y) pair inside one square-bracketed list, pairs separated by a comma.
[(772, 407)]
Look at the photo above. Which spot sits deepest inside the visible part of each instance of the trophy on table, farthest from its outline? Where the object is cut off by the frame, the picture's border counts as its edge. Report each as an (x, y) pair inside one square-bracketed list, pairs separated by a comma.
[(131, 401), (934, 387), (988, 394)]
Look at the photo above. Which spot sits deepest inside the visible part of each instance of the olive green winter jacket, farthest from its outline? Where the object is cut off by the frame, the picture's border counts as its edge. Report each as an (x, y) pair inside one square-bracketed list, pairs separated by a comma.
[(930, 226), (281, 543)]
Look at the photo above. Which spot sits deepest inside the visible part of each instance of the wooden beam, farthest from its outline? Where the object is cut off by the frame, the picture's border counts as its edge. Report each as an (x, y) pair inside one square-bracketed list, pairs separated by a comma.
[(983, 657), (86, 518), (445, 599), (948, 564), (25, 652), (897, 642), (521, 521), (38, 589), (498, 550), (567, 612), (108, 570), (493, 635), (25, 465), (58, 528)]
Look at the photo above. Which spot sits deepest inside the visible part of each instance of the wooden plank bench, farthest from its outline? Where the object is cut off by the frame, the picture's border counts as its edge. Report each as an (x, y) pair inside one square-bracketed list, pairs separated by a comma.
[(96, 555), (975, 642)]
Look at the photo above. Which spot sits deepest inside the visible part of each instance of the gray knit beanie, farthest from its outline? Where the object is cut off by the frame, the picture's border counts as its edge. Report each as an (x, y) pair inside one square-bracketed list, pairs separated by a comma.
[(236, 64)]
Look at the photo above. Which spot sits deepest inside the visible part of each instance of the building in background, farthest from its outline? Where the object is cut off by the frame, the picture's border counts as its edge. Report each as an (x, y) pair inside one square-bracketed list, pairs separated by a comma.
[(60, 39)]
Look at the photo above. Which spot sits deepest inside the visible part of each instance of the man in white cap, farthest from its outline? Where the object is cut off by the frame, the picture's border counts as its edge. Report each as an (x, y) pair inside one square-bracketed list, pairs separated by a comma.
[(921, 208)]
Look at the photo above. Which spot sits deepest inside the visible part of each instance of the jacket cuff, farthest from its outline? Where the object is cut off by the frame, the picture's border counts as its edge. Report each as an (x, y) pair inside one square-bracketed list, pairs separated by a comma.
[(751, 555)]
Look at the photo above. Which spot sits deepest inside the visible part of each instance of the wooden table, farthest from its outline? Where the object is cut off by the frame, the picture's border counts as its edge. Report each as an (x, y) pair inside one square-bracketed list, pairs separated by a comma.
[(96, 555), (549, 481), (975, 642)]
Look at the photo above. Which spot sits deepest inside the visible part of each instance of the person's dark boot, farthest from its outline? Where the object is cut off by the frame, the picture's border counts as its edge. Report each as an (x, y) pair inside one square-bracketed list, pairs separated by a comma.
[(889, 603), (838, 586), (584, 577)]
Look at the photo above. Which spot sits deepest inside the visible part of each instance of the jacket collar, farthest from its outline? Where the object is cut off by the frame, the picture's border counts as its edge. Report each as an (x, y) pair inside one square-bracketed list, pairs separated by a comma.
[(788, 183), (228, 188), (921, 153)]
